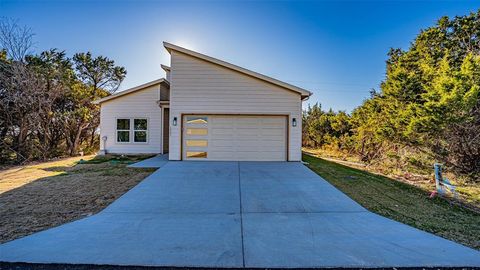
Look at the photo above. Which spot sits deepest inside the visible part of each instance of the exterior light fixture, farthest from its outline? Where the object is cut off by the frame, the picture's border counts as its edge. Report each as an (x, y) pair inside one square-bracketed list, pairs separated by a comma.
[(294, 122), (174, 121)]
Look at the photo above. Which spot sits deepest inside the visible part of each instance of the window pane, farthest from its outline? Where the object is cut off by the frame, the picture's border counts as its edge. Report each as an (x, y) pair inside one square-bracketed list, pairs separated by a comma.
[(197, 143), (140, 136), (123, 136), (196, 120), (196, 154), (197, 131), (123, 124), (140, 124)]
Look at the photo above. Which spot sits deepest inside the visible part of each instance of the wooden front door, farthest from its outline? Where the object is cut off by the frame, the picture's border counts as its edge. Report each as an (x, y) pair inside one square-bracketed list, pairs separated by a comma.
[(166, 129)]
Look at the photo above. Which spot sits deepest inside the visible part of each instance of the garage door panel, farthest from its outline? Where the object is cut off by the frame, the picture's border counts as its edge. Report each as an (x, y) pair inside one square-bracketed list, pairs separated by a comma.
[(273, 144), (274, 132), (228, 149), (221, 143), (276, 156), (222, 133), (249, 138), (272, 122), (222, 121)]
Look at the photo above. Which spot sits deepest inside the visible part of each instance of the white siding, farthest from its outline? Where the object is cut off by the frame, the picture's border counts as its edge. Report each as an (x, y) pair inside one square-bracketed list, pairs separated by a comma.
[(201, 87), (140, 104), (167, 75)]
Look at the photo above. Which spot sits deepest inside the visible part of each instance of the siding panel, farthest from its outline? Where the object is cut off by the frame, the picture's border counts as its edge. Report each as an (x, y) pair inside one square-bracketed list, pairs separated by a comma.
[(201, 87), (141, 104)]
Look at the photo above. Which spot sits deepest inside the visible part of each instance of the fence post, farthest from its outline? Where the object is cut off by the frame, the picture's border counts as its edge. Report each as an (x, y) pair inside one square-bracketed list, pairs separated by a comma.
[(438, 177)]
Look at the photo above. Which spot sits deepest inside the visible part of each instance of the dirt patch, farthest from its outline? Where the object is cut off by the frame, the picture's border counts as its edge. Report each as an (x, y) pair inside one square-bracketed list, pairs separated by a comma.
[(41, 196)]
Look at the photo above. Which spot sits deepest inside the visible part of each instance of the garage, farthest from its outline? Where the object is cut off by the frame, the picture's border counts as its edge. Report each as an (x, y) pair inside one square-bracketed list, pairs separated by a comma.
[(235, 137)]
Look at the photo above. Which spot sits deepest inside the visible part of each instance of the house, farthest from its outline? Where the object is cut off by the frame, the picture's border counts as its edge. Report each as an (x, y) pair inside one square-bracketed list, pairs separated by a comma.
[(205, 109)]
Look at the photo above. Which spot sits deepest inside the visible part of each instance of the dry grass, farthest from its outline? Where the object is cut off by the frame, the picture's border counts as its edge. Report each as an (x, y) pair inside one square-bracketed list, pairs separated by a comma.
[(468, 193), (40, 196), (402, 202)]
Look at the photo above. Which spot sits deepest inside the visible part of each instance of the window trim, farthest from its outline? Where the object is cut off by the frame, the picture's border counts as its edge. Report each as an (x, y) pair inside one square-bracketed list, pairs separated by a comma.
[(136, 130), (192, 121), (196, 140), (131, 130), (196, 128), (117, 130), (198, 152)]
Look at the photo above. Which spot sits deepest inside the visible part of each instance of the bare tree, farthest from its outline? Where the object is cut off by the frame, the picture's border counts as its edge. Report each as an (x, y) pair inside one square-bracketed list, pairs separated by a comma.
[(15, 39)]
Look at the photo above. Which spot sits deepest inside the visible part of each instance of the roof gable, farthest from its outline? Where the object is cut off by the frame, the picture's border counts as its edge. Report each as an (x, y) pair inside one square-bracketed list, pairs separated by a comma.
[(130, 91), (304, 93)]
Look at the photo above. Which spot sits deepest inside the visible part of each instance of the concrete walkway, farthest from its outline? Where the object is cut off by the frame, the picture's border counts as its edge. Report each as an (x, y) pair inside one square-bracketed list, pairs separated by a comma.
[(154, 162), (237, 214)]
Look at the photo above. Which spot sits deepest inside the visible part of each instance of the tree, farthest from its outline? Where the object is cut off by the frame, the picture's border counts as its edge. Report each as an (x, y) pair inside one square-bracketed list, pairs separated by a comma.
[(15, 40), (99, 72), (58, 76), (96, 78), (46, 107), (429, 99)]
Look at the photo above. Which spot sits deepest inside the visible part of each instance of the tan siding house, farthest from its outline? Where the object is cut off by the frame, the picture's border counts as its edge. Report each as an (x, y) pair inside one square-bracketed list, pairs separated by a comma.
[(216, 111)]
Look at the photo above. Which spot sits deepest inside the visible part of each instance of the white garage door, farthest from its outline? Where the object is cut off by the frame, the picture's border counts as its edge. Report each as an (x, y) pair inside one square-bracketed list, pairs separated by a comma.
[(220, 137)]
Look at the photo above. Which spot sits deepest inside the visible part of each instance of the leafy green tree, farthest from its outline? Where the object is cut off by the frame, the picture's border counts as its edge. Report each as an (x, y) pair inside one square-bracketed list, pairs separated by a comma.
[(46, 107), (99, 73), (97, 77)]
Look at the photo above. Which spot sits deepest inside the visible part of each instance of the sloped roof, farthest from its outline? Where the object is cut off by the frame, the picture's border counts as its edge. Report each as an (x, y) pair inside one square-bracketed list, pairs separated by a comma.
[(304, 93), (131, 90), (165, 67)]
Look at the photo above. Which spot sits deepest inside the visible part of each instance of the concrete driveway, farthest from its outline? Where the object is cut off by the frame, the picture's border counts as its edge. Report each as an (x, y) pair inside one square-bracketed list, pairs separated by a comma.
[(237, 214)]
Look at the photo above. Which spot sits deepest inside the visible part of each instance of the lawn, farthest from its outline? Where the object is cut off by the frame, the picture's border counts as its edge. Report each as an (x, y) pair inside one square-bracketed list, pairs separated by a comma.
[(468, 193), (402, 202), (40, 196)]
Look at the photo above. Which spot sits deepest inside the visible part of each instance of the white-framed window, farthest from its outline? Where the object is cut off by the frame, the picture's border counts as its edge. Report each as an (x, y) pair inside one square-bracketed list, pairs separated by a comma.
[(140, 129), (123, 130), (132, 130)]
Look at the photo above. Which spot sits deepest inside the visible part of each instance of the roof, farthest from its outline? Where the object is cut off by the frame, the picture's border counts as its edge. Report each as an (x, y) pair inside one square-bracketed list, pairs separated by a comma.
[(164, 67), (171, 47), (131, 90)]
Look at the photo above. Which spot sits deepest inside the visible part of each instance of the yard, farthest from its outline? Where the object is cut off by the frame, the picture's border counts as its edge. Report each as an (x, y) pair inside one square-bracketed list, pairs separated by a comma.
[(402, 202), (39, 196)]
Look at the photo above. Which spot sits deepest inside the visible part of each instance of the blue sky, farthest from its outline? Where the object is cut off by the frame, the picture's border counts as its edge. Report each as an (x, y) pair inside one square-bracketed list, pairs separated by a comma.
[(337, 50)]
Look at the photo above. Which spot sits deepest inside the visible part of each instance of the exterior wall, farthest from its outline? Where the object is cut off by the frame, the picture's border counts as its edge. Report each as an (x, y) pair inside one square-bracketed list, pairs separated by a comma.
[(197, 86), (164, 92), (167, 73), (140, 104)]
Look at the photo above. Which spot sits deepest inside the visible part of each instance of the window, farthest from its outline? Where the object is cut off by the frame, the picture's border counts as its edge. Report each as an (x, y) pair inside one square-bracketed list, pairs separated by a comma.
[(123, 130), (140, 127), (125, 127), (196, 154), (199, 143), (197, 131), (197, 120)]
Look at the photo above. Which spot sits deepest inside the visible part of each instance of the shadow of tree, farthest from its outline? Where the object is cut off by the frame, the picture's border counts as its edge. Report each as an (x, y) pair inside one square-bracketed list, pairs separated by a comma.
[(76, 192)]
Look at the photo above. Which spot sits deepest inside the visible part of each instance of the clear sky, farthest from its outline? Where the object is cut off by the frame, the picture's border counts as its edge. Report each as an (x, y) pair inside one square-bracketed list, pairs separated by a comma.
[(337, 50)]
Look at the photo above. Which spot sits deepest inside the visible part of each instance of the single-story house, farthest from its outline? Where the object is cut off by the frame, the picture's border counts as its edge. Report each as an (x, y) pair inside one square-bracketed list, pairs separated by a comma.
[(205, 109)]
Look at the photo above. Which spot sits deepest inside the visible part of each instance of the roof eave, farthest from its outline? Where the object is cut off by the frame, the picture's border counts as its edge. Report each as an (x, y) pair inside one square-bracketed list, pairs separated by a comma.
[(130, 90), (164, 67)]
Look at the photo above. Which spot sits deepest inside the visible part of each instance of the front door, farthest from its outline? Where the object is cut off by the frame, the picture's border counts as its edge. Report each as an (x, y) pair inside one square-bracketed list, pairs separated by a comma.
[(166, 129)]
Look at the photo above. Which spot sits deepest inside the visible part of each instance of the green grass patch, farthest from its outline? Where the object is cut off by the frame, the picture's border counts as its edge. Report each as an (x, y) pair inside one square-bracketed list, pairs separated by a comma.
[(402, 202)]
